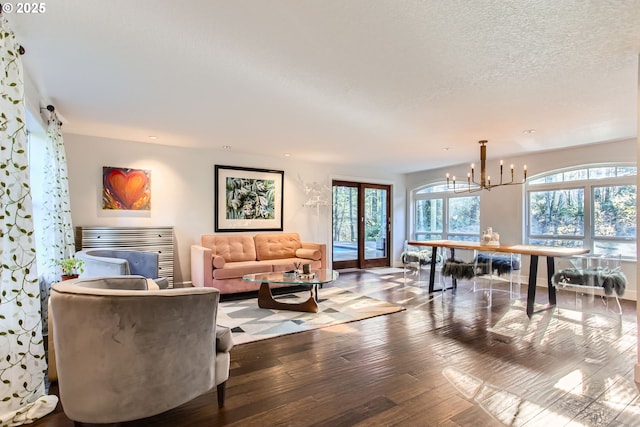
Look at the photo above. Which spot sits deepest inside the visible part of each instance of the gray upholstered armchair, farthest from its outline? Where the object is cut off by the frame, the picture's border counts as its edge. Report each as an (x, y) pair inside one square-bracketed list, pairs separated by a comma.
[(124, 352), (112, 262)]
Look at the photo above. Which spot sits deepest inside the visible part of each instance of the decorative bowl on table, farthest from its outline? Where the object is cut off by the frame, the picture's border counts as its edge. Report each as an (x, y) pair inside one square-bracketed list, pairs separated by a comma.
[(292, 274)]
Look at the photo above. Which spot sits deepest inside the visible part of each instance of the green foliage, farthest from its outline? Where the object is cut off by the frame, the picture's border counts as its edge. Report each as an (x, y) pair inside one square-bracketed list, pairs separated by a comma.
[(70, 266), (372, 231), (250, 198)]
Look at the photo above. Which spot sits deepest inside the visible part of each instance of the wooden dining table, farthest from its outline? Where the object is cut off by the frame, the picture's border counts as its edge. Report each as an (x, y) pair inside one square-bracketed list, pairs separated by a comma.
[(534, 252)]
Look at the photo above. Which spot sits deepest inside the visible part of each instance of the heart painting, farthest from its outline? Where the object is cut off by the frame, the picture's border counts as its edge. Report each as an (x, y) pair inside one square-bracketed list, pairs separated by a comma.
[(124, 188)]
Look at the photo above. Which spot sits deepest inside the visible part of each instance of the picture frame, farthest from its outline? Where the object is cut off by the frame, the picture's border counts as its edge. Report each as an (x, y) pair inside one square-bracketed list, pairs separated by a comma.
[(248, 199), (126, 189)]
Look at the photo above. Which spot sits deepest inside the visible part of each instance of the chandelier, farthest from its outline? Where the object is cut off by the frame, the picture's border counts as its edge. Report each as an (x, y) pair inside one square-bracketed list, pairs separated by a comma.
[(485, 180)]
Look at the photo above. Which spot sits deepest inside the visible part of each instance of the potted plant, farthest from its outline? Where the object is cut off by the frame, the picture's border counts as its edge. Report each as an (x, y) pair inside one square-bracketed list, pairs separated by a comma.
[(71, 267)]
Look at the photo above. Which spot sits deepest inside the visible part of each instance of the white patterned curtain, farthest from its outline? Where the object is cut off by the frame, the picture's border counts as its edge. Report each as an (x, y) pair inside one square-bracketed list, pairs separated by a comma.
[(22, 358), (55, 237)]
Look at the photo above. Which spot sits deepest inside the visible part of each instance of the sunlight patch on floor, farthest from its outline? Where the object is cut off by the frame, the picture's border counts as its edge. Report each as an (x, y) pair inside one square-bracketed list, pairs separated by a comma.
[(504, 406)]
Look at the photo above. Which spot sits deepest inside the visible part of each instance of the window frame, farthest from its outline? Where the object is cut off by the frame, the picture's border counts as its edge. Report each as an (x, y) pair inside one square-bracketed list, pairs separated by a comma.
[(419, 194), (588, 185)]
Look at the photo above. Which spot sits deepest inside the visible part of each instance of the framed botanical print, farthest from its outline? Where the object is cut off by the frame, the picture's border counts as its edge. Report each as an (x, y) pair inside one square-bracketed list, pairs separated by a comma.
[(248, 199)]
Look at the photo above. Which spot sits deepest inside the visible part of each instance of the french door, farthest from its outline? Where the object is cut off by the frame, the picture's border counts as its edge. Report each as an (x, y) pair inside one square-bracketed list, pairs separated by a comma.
[(361, 225)]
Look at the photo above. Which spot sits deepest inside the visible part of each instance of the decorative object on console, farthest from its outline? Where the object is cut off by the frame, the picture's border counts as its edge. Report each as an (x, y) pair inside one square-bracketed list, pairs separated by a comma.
[(126, 189), (248, 199), (490, 237), (485, 180)]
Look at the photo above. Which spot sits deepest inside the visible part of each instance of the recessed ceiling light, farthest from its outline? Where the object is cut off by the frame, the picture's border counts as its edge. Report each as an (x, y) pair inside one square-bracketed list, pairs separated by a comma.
[(226, 147), (153, 137), (287, 155), (529, 131), (446, 148)]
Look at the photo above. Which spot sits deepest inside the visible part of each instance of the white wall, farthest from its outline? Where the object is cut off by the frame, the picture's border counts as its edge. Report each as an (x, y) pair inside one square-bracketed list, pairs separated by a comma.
[(182, 190), (503, 208)]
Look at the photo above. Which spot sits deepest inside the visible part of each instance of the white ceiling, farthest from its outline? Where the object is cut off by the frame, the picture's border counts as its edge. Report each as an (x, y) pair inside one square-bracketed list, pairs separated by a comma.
[(386, 83)]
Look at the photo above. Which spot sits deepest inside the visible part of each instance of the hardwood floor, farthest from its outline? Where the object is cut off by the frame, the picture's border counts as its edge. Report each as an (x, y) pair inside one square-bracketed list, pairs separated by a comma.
[(445, 361)]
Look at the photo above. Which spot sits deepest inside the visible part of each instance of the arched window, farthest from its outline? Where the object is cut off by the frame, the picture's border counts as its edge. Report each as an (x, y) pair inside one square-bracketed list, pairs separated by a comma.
[(439, 213), (593, 206)]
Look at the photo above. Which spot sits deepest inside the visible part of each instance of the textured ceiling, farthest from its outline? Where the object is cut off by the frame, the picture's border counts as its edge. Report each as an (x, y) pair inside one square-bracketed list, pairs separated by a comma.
[(383, 83)]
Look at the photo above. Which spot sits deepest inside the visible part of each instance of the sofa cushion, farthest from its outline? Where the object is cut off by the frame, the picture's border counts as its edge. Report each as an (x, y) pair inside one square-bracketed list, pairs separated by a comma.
[(233, 248), (218, 261), (238, 269), (313, 254), (277, 246)]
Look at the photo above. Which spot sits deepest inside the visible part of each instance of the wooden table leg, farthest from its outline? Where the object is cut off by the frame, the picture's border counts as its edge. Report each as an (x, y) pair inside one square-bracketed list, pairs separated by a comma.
[(266, 300)]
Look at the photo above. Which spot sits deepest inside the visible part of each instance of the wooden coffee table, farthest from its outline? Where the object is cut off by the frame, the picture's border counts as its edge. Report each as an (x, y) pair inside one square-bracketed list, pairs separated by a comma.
[(265, 297)]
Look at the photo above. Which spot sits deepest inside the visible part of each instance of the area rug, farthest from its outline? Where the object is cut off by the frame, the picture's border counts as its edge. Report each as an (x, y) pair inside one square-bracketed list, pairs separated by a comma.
[(250, 323)]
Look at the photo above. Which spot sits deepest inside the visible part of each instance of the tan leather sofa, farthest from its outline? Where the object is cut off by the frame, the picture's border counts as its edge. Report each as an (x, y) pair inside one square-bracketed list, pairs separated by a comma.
[(220, 260), (124, 352)]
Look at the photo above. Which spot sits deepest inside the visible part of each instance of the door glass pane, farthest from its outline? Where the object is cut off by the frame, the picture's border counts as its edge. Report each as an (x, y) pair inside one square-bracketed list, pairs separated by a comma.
[(345, 223), (375, 223)]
